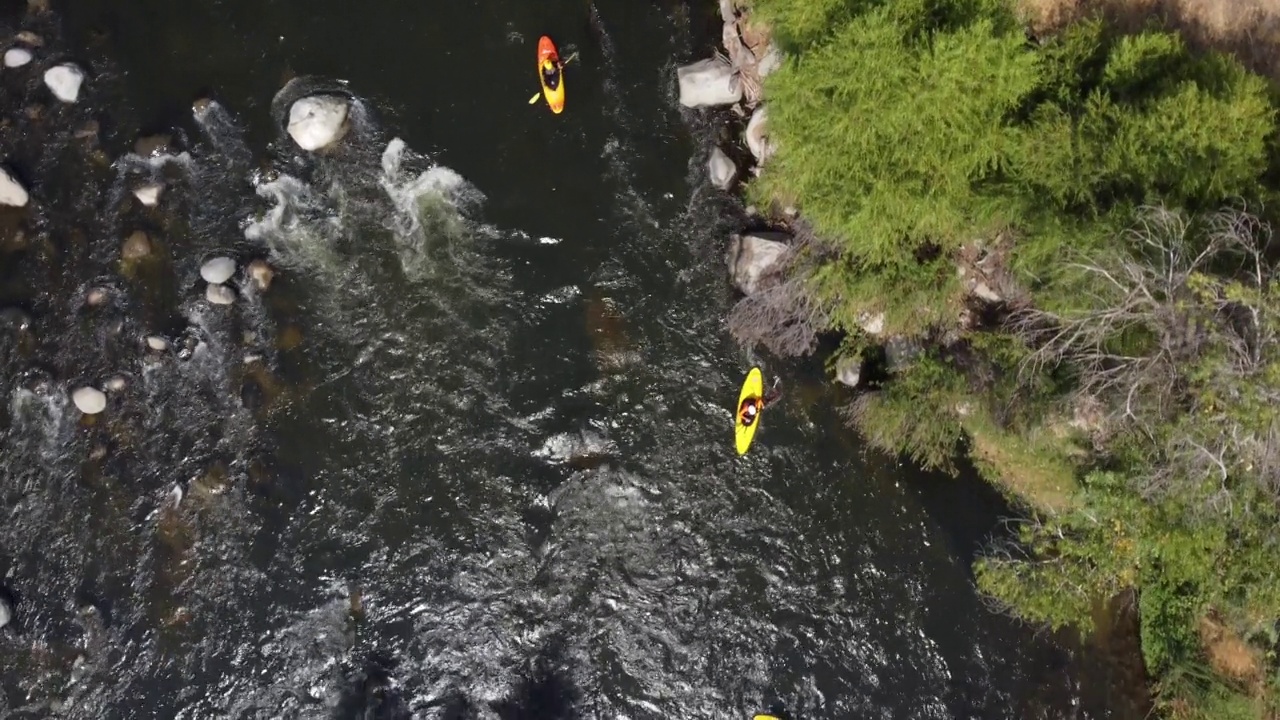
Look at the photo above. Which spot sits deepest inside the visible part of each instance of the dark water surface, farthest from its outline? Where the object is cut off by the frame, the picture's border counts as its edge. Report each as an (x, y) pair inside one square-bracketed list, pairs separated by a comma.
[(471, 454)]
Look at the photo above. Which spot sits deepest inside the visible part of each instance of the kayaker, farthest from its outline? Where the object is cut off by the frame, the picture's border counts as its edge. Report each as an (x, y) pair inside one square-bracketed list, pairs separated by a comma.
[(551, 73), (752, 406)]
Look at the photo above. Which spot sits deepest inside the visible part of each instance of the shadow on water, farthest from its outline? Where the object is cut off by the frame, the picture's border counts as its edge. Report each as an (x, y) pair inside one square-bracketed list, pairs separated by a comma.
[(464, 449)]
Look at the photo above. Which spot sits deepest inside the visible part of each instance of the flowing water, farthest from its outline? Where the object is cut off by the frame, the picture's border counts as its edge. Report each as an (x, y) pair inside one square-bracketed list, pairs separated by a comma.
[(470, 455)]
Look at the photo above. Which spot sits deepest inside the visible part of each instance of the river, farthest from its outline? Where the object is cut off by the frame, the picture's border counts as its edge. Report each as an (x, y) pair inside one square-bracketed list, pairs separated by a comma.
[(470, 455)]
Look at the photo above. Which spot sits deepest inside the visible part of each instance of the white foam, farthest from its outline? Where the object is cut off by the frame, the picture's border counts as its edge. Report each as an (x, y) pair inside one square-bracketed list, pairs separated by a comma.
[(433, 197)]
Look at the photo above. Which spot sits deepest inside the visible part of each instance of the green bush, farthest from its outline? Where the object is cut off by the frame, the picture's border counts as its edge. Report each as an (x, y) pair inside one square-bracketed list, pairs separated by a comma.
[(910, 129)]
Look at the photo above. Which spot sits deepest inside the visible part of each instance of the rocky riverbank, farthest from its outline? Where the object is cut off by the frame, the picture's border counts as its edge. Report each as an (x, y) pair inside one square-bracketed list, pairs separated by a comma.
[(758, 258)]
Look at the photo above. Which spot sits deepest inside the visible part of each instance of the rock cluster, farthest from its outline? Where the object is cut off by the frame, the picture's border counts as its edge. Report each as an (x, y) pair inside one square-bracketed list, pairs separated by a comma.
[(733, 79)]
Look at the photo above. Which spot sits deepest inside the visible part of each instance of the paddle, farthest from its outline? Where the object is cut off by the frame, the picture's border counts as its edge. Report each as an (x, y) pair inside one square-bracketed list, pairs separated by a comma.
[(572, 56)]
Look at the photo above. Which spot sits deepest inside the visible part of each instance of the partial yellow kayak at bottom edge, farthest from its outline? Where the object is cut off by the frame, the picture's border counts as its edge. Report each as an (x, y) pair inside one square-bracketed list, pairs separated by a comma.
[(764, 717), (753, 386)]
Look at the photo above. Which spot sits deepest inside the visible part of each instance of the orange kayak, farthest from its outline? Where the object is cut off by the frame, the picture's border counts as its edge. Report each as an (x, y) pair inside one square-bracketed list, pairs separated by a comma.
[(551, 74)]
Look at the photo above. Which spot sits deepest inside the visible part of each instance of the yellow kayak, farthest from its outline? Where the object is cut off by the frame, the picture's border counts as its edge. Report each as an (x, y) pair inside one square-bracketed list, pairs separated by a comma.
[(752, 387), (551, 74)]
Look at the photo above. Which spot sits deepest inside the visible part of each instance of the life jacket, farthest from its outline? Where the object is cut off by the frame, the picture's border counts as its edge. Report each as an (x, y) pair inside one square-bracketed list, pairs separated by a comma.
[(551, 74)]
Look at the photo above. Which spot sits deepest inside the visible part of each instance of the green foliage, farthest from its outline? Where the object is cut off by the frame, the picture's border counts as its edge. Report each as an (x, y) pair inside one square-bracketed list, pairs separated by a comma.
[(906, 130), (1115, 540), (891, 419), (885, 144), (797, 26)]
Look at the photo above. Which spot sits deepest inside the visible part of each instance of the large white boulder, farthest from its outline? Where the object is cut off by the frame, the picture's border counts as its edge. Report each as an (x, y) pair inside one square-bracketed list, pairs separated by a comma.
[(218, 270), (758, 135), (11, 191), (16, 57), (750, 256), (721, 169), (318, 121), (707, 83), (65, 81), (89, 400)]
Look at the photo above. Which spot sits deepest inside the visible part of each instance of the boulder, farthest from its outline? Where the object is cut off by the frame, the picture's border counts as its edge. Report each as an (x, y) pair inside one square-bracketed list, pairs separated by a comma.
[(6, 611), (218, 270), (11, 191), (89, 400), (65, 81), (148, 194), (318, 121), (16, 57), (261, 274), (758, 135), (871, 323), (219, 294), (900, 352), (721, 169), (728, 12), (750, 256), (982, 291), (707, 83), (849, 371)]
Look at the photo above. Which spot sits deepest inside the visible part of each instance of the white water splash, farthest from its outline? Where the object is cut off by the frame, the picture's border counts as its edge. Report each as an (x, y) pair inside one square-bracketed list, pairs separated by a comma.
[(42, 413), (427, 209)]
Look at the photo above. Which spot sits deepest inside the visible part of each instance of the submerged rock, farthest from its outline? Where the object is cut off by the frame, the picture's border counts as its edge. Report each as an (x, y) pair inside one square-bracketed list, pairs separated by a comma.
[(16, 57), (721, 169), (758, 135), (318, 121), (152, 145), (96, 297), (218, 270), (11, 191), (148, 194), (65, 81), (89, 400), (707, 83), (219, 294), (584, 448), (136, 246), (750, 256), (261, 274), (14, 319), (115, 384)]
